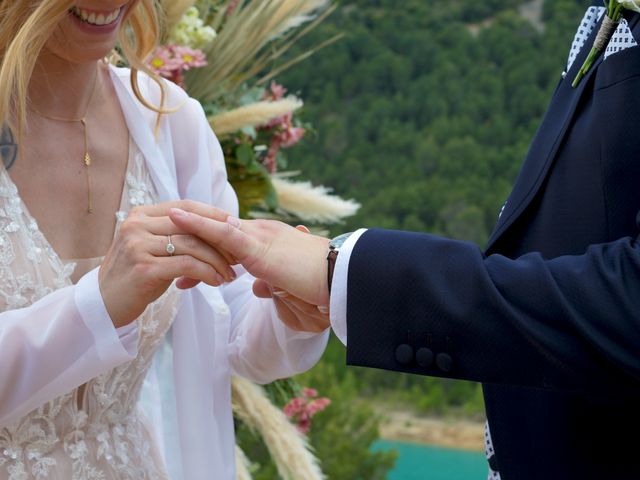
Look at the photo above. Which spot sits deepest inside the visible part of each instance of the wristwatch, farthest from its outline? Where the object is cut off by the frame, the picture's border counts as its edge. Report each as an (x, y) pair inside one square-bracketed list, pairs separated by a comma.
[(334, 249)]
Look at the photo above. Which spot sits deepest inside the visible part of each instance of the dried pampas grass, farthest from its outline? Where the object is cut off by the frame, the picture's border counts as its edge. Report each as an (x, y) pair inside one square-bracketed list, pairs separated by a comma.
[(312, 204), (242, 465), (174, 10), (287, 446), (252, 115), (250, 40)]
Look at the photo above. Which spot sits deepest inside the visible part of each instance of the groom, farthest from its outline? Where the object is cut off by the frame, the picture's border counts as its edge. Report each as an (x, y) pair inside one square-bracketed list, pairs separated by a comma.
[(547, 317)]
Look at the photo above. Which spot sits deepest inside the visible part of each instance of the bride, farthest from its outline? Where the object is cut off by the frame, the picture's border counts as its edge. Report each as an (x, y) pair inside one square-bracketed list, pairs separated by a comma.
[(89, 310)]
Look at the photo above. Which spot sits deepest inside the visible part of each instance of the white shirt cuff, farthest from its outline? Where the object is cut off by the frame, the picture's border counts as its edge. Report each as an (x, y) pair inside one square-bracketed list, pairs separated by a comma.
[(128, 336), (338, 300), (113, 346)]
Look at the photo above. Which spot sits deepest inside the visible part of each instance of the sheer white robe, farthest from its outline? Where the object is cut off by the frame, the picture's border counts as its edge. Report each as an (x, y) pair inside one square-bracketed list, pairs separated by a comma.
[(64, 339)]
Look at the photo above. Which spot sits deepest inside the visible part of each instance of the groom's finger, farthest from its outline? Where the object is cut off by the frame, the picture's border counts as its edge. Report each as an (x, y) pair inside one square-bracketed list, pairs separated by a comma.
[(199, 208), (220, 234)]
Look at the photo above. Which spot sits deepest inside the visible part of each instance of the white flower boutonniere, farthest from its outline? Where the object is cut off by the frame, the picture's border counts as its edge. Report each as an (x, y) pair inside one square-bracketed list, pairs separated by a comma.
[(608, 27)]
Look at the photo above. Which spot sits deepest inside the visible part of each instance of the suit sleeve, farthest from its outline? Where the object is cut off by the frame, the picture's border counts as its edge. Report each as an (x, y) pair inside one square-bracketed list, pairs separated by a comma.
[(568, 323)]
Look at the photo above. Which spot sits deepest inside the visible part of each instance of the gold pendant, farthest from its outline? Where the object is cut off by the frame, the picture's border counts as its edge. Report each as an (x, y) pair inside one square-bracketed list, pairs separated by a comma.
[(87, 159)]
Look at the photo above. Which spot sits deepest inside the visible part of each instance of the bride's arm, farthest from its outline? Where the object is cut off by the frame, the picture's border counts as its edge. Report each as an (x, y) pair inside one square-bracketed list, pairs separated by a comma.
[(262, 347), (56, 344)]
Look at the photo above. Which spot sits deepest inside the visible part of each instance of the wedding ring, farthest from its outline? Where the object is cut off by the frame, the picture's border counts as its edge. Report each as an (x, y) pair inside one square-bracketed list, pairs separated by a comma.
[(170, 248)]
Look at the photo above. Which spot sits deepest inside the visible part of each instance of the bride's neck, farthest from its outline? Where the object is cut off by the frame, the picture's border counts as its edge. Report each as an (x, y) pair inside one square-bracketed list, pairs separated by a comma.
[(60, 88)]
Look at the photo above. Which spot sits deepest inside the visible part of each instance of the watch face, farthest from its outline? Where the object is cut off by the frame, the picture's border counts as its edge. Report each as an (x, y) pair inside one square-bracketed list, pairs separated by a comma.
[(337, 242)]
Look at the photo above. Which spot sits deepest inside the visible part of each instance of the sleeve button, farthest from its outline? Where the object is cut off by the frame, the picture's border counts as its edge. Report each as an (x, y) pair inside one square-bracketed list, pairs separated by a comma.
[(404, 354), (444, 362), (424, 357)]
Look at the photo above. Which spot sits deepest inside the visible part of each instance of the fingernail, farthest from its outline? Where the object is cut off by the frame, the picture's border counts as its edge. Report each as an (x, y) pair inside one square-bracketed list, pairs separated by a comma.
[(233, 221), (179, 213), (323, 309), (231, 274), (218, 279), (280, 293)]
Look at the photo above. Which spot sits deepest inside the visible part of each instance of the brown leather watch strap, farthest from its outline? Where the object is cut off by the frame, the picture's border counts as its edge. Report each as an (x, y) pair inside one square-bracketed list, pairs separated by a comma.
[(331, 265)]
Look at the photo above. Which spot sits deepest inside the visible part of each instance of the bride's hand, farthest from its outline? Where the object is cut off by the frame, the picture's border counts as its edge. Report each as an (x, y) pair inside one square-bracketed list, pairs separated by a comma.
[(140, 266), (275, 252)]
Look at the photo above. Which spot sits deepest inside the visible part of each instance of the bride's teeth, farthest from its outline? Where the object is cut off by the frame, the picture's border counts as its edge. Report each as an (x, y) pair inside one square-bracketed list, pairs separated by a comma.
[(99, 19)]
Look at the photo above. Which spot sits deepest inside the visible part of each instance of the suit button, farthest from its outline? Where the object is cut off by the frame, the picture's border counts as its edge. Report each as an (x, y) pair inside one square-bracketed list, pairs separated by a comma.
[(404, 354), (444, 362), (424, 357)]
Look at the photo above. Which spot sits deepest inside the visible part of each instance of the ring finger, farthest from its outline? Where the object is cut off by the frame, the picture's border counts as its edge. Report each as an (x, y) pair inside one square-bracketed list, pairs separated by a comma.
[(172, 245)]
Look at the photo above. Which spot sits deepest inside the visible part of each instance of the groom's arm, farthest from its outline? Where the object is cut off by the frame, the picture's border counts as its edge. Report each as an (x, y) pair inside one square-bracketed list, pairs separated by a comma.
[(568, 323)]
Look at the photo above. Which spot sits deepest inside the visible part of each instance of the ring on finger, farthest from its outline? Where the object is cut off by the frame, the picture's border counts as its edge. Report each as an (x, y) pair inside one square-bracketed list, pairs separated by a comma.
[(170, 247)]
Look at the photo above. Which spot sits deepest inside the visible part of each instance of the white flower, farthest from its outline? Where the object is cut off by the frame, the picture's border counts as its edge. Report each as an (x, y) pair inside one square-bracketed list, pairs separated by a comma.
[(192, 32), (631, 4)]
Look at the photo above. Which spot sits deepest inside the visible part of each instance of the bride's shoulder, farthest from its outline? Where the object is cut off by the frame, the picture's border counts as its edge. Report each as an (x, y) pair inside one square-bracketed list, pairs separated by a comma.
[(152, 90)]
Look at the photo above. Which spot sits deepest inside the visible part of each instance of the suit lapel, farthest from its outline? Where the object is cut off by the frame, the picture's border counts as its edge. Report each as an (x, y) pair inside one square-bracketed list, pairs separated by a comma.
[(548, 139)]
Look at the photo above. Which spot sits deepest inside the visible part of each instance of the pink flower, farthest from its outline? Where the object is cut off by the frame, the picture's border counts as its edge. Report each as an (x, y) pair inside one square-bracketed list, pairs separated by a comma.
[(270, 161), (232, 7), (318, 405), (309, 392), (302, 409), (161, 61), (189, 58), (171, 61), (291, 136), (275, 92), (281, 130)]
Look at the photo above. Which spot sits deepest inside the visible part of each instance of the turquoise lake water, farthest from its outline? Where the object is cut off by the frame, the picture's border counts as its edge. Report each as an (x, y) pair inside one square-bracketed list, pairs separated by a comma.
[(423, 462)]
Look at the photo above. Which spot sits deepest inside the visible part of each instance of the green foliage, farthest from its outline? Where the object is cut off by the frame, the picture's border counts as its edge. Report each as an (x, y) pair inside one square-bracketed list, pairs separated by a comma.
[(343, 434), (250, 179)]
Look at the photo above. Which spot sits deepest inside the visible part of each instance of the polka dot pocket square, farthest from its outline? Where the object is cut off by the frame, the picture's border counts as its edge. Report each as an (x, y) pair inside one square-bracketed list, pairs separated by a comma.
[(621, 40)]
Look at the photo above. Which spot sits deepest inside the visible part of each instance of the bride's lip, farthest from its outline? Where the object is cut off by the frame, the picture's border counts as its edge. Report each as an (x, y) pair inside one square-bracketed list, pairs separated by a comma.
[(84, 19)]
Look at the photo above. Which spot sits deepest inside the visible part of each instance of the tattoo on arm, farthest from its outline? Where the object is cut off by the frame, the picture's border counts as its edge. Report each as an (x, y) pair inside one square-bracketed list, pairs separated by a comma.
[(8, 147)]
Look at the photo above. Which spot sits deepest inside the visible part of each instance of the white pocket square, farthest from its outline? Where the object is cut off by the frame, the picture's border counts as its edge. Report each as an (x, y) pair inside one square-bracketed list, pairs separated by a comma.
[(588, 23), (621, 40)]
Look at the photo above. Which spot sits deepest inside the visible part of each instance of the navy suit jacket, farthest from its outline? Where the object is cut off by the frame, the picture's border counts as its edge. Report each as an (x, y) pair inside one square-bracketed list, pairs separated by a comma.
[(548, 316)]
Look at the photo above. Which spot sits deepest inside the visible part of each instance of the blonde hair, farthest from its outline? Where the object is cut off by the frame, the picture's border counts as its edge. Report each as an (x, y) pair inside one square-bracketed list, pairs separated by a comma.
[(25, 27)]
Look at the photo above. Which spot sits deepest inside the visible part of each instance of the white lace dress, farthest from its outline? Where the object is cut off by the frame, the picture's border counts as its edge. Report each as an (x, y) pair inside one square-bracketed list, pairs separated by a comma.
[(95, 431)]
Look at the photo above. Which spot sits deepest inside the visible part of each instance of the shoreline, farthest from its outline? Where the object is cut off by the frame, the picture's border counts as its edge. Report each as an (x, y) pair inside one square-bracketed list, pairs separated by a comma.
[(439, 432)]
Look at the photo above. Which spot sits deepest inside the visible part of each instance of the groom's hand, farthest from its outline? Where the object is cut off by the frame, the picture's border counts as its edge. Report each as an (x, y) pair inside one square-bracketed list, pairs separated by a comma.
[(275, 252), (293, 312)]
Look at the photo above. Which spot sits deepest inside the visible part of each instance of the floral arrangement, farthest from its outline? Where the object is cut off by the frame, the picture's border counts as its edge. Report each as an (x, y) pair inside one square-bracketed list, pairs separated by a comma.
[(613, 15), (226, 54)]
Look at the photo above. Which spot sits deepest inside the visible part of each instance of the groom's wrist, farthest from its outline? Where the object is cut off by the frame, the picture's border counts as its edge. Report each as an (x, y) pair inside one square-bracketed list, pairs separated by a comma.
[(332, 256)]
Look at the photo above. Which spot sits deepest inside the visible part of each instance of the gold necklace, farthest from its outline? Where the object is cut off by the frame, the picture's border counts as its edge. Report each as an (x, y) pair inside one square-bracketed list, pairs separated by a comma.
[(82, 121)]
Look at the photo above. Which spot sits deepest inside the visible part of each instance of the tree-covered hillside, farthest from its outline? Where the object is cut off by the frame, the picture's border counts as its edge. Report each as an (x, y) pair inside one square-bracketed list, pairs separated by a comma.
[(424, 111)]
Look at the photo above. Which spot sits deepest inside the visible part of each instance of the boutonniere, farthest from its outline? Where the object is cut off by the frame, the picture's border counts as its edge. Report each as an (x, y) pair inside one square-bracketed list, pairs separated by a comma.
[(608, 27)]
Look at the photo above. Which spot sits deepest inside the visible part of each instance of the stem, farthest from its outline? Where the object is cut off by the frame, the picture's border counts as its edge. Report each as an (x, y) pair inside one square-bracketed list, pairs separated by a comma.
[(607, 29), (617, 12), (593, 54)]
